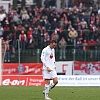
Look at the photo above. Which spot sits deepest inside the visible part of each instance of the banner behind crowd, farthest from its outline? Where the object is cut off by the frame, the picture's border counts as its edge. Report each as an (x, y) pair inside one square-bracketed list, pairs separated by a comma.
[(30, 74)]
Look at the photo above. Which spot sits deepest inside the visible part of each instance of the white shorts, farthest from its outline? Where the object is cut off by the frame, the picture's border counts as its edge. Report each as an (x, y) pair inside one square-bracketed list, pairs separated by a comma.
[(49, 75)]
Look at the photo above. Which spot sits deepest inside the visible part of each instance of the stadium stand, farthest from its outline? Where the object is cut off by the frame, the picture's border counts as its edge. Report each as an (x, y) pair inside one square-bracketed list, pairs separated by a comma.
[(34, 27)]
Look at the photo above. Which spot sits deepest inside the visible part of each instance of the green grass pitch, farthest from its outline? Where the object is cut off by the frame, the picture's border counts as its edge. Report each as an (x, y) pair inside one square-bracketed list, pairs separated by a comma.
[(58, 93)]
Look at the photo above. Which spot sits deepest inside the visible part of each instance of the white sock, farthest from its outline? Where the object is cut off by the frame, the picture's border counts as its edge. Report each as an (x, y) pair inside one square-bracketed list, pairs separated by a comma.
[(46, 91), (52, 85), (46, 88)]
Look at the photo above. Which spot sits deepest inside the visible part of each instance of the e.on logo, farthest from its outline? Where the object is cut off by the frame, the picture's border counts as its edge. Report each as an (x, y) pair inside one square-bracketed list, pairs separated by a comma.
[(13, 82)]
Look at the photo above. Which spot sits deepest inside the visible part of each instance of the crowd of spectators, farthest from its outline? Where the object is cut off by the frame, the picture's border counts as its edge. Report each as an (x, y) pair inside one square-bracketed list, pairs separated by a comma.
[(34, 27)]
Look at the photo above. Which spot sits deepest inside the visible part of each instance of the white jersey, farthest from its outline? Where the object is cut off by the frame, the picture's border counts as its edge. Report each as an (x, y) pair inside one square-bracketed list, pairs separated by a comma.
[(48, 58)]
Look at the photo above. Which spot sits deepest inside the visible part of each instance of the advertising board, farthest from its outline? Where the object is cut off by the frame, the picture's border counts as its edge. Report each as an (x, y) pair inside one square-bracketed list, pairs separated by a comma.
[(78, 80), (86, 68), (64, 67), (63, 80), (23, 80), (23, 69)]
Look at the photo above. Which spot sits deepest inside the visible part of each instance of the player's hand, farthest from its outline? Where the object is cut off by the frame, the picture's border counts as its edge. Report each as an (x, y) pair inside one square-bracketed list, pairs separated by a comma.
[(48, 69)]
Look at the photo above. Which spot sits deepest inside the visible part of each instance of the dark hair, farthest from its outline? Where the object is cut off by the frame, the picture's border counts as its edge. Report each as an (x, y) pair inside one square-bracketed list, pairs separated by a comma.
[(53, 41)]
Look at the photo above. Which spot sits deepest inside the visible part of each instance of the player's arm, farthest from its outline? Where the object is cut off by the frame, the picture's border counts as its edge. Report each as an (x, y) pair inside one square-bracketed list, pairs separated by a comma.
[(55, 66), (54, 61), (43, 59)]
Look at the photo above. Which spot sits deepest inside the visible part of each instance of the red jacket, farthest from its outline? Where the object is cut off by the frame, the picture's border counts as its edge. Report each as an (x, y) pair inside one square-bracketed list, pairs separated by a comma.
[(91, 42), (6, 28), (85, 45), (29, 34)]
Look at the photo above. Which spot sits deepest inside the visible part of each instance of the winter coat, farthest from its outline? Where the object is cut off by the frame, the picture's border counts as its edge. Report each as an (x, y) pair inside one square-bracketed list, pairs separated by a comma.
[(62, 44)]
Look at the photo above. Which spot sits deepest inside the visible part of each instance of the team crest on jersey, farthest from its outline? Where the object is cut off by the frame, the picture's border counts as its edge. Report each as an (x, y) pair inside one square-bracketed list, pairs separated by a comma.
[(51, 56)]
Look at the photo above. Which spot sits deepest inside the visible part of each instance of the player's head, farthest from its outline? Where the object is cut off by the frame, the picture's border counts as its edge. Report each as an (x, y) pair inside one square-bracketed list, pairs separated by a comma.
[(52, 44)]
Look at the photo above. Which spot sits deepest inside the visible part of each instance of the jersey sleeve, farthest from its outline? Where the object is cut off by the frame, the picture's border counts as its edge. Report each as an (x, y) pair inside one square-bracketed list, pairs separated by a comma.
[(43, 58)]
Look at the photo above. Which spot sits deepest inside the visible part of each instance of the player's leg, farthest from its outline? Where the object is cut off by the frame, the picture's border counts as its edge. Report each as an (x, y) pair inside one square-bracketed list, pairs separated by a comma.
[(46, 76), (53, 84), (55, 80), (46, 88)]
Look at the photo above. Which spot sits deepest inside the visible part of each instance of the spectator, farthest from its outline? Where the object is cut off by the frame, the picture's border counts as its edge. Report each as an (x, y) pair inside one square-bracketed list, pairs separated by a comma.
[(47, 25), (85, 48), (73, 35), (15, 16), (20, 28), (69, 47), (99, 11), (90, 10), (37, 22), (97, 23), (6, 27), (2, 16), (8, 50), (15, 37), (93, 29), (97, 49), (22, 38), (86, 34), (62, 45), (29, 35), (23, 10), (37, 35), (1, 30), (25, 18), (25, 15), (61, 23), (79, 28), (70, 26), (31, 44), (77, 3), (46, 39), (83, 24), (92, 18), (46, 3), (43, 21), (91, 47), (79, 48), (54, 24), (74, 16)]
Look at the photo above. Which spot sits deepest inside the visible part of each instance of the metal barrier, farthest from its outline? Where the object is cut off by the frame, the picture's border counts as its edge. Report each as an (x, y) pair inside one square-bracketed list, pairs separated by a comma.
[(33, 55)]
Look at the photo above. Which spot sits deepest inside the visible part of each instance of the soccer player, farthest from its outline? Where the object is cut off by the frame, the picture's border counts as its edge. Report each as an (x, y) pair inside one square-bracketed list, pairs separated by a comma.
[(49, 68)]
